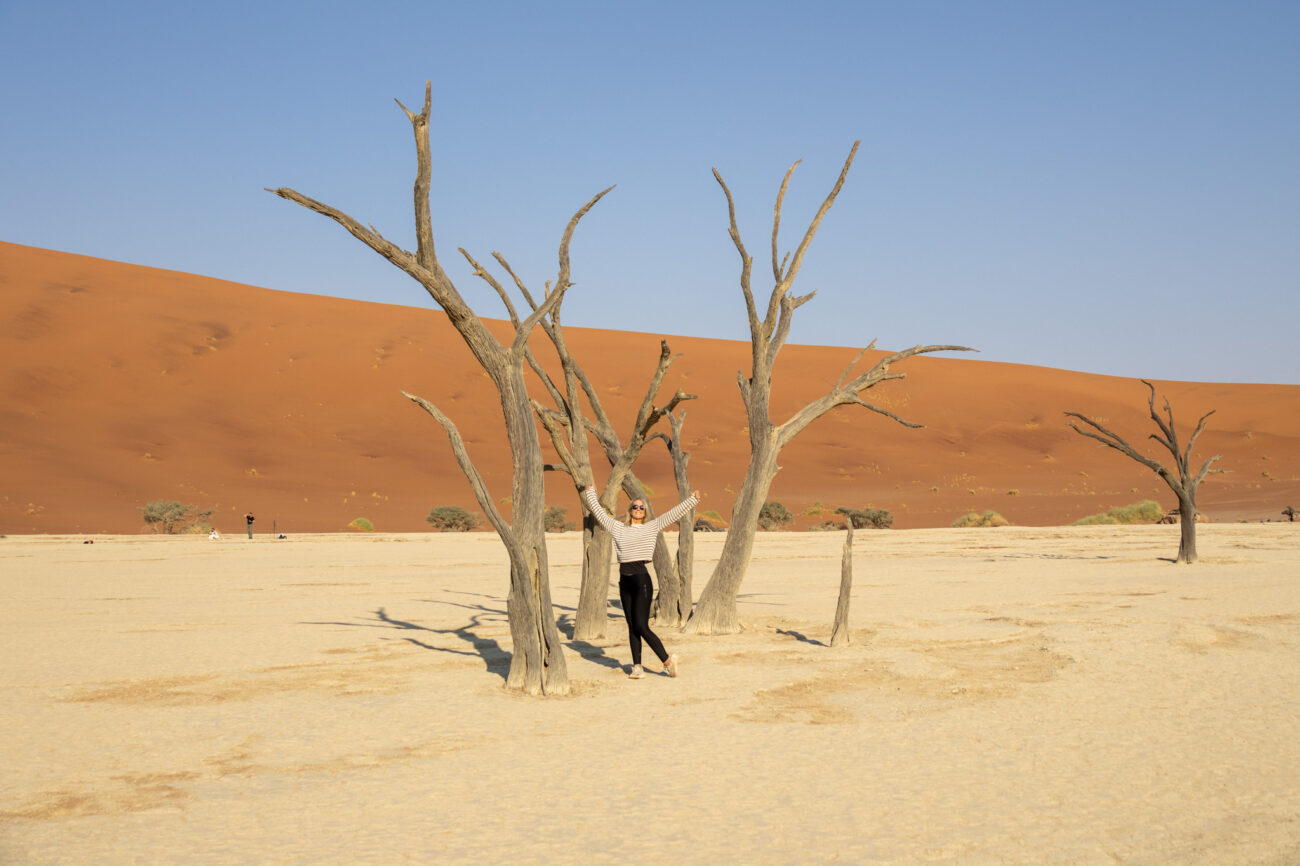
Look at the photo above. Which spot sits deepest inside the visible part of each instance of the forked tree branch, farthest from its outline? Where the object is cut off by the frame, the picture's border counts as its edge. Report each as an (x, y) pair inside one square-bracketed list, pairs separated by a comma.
[(1111, 439), (778, 268), (485, 275), (792, 270), (850, 392), (746, 262)]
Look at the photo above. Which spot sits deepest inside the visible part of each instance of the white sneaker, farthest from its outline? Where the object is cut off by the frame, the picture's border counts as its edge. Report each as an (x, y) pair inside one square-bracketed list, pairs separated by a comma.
[(637, 673), (670, 666)]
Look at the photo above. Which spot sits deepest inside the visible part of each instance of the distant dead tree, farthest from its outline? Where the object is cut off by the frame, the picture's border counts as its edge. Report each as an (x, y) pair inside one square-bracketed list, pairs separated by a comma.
[(1183, 484), (840, 631), (537, 662), (716, 611)]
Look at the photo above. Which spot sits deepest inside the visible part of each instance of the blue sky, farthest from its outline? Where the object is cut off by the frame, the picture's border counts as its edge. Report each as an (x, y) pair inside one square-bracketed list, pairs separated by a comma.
[(1111, 187)]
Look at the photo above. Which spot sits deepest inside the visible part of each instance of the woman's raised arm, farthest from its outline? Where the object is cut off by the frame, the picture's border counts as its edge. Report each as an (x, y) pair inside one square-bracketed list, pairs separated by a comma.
[(597, 510)]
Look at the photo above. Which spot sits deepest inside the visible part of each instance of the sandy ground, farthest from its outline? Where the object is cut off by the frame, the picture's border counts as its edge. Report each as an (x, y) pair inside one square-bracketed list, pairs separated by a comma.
[(1012, 696)]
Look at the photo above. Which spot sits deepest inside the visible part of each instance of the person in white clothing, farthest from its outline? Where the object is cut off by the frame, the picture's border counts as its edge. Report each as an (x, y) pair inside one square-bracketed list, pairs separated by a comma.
[(634, 544)]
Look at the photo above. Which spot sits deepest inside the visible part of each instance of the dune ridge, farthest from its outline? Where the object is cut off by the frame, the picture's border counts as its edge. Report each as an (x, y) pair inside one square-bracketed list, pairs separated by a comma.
[(124, 384)]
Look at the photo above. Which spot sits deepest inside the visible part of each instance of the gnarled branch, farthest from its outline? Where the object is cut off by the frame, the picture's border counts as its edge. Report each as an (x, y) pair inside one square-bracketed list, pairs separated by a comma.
[(466, 464)]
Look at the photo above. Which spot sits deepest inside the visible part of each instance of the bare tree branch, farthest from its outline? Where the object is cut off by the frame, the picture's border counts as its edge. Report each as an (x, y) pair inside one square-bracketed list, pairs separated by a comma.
[(843, 393), (797, 262), (466, 464), (425, 252), (1113, 440), (778, 269), (746, 261), (486, 276)]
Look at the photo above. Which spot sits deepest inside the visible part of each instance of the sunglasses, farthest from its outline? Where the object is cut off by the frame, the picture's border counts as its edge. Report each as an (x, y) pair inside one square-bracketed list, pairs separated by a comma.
[(636, 508)]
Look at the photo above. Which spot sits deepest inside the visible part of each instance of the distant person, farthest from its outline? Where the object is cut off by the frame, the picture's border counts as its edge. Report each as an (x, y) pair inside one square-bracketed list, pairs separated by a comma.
[(634, 543), (214, 535), (248, 518)]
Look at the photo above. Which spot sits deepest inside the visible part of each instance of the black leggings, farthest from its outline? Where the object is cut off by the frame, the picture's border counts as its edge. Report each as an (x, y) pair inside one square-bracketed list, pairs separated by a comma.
[(635, 591)]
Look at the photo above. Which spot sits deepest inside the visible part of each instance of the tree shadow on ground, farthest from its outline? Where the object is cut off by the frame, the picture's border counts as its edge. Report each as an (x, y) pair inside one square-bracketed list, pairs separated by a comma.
[(801, 636), (588, 651), (751, 598), (495, 659)]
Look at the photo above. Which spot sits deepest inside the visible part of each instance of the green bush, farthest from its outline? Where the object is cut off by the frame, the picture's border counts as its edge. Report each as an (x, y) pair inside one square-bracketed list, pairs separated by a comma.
[(773, 515), (362, 524), (868, 518), (1145, 511), (553, 519), (988, 518), (452, 518), (167, 516)]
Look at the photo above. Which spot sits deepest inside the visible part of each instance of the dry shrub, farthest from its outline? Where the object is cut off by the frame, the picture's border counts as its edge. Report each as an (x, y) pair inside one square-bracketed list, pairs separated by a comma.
[(1146, 511), (988, 518)]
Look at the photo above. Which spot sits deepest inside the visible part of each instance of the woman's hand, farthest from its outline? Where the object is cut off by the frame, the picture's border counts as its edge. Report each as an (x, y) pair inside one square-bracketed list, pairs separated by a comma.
[(695, 493)]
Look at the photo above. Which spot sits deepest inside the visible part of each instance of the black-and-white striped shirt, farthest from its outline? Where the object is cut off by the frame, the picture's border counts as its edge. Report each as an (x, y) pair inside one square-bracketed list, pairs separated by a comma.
[(635, 543)]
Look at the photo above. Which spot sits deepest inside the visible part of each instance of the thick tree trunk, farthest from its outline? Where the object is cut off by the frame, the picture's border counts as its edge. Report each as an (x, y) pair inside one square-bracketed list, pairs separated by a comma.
[(537, 663), (591, 622), (665, 606), (840, 631), (715, 613), (1187, 530), (676, 610)]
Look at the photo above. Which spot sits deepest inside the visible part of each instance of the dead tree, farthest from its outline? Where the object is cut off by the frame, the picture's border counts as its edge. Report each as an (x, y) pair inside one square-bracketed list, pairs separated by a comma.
[(621, 459), (673, 606), (568, 428), (716, 611), (537, 662), (1184, 484), (840, 632)]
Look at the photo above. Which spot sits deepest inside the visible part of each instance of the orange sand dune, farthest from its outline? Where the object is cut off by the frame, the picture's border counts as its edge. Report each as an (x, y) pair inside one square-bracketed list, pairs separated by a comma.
[(124, 384)]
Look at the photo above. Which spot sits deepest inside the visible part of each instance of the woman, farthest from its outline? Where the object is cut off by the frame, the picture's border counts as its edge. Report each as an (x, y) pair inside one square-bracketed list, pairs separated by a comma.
[(634, 543)]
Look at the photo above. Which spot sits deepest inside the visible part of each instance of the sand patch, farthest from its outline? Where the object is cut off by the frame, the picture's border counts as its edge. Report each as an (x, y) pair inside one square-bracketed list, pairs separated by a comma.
[(373, 674), (938, 671), (126, 793)]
